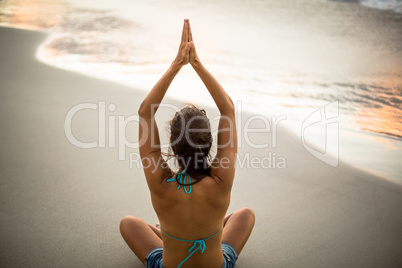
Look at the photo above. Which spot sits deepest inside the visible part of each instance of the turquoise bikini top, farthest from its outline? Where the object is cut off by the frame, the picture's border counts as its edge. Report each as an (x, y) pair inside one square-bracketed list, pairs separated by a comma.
[(182, 181), (199, 244)]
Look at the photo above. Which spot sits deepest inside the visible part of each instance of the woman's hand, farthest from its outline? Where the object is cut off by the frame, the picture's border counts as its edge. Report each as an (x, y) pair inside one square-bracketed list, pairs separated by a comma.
[(194, 60), (183, 56), (187, 52)]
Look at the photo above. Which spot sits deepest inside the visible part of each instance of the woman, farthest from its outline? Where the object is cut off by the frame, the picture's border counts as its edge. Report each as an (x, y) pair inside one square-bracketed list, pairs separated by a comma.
[(191, 204)]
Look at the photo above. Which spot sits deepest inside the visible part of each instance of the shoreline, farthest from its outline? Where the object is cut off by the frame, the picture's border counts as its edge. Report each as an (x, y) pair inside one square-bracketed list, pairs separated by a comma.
[(349, 26), (388, 176), (61, 205), (133, 90)]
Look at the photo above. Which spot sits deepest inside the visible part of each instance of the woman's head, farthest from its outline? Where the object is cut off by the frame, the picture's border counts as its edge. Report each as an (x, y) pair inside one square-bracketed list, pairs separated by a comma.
[(191, 139)]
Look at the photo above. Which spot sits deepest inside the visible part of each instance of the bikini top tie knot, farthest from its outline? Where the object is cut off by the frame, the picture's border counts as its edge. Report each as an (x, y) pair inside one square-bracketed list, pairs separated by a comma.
[(181, 178), (201, 245)]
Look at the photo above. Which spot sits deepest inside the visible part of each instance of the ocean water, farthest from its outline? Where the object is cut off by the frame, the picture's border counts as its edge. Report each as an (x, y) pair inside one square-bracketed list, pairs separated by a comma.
[(395, 5), (275, 57)]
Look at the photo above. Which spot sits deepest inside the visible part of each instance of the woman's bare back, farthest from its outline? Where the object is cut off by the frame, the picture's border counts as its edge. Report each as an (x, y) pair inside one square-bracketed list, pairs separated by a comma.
[(193, 216)]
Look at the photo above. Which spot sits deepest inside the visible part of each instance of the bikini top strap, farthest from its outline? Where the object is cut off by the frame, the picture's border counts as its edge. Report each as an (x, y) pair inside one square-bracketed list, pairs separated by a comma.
[(181, 179), (198, 244)]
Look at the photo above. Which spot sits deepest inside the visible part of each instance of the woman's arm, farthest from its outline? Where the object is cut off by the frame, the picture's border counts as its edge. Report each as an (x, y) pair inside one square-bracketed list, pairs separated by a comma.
[(224, 163), (154, 165), (151, 102), (221, 98)]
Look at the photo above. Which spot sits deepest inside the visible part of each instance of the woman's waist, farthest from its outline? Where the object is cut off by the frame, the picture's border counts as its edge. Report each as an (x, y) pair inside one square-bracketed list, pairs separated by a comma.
[(208, 255)]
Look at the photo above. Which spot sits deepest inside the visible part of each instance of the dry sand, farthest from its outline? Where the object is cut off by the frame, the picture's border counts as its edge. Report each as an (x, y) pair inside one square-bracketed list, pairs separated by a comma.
[(61, 205)]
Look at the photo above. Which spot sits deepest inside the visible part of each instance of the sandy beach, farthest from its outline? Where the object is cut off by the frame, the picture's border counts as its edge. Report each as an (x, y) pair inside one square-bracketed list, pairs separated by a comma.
[(61, 205)]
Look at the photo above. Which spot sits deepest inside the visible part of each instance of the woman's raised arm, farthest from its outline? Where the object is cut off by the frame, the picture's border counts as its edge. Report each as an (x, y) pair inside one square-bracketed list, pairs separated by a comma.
[(150, 152), (221, 98), (224, 163), (154, 98)]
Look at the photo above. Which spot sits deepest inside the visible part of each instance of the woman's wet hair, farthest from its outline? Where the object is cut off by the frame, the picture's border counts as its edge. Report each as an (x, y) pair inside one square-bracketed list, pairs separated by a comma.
[(191, 141)]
